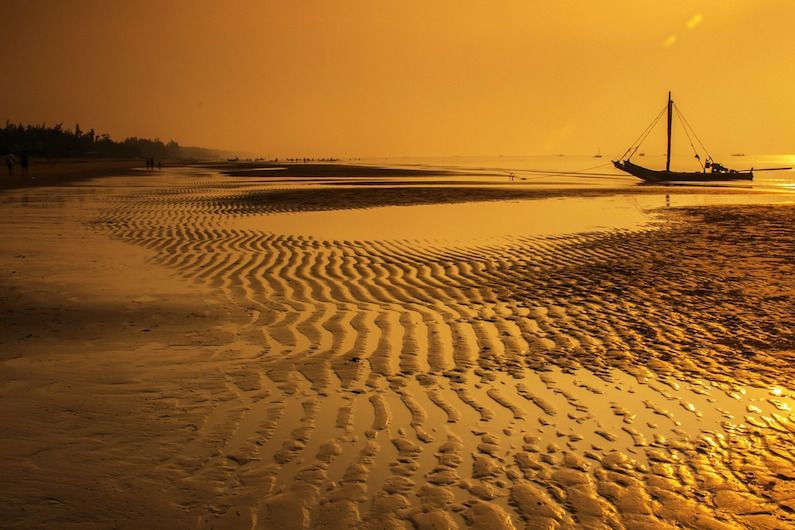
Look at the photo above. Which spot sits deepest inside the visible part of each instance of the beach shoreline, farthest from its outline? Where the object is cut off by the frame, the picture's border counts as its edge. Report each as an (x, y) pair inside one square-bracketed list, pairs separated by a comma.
[(55, 172), (205, 374)]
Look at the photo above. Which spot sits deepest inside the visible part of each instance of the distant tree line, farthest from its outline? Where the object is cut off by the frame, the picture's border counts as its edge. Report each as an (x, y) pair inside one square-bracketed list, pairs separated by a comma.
[(59, 142)]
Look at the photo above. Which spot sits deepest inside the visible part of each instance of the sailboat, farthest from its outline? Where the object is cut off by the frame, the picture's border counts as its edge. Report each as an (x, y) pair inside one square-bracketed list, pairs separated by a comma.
[(710, 170)]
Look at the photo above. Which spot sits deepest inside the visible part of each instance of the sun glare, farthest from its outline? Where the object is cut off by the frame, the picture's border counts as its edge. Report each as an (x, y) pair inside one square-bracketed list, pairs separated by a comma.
[(694, 21)]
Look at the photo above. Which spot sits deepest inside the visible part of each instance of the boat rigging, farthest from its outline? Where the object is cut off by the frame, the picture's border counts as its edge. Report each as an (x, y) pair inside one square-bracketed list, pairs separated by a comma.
[(710, 170)]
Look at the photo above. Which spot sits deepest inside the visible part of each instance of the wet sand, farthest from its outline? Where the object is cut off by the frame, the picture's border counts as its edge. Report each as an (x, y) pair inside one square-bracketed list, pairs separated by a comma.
[(43, 172), (173, 358)]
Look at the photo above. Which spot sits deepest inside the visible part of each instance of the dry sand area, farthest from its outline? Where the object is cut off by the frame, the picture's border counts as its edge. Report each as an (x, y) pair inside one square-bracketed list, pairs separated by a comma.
[(198, 350)]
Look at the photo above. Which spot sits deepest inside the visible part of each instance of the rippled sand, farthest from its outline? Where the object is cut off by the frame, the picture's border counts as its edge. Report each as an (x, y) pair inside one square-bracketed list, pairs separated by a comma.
[(168, 360)]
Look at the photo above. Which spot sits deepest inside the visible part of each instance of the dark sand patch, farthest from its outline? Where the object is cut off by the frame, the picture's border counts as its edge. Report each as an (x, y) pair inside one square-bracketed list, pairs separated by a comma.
[(339, 198), (66, 171)]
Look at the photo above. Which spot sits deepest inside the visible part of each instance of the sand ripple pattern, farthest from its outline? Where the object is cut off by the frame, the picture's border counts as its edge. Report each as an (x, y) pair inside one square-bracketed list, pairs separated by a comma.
[(601, 380)]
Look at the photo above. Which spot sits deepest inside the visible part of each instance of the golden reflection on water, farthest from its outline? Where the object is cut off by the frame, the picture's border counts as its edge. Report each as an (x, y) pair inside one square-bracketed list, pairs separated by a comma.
[(483, 222), (468, 222)]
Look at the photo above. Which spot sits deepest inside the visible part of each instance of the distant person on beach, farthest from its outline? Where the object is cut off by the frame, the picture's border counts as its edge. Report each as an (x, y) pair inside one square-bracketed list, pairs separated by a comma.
[(23, 161), (10, 161)]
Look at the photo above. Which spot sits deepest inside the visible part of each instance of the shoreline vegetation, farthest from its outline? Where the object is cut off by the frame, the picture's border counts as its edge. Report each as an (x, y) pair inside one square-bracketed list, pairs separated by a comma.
[(57, 141), (41, 154)]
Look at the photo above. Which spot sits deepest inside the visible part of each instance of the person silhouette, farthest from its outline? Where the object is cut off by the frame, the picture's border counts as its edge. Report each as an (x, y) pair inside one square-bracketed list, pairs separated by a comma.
[(10, 161), (23, 161)]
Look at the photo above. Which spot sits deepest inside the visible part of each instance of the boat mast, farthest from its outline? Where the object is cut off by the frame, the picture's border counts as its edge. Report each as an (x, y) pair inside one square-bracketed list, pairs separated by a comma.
[(668, 152)]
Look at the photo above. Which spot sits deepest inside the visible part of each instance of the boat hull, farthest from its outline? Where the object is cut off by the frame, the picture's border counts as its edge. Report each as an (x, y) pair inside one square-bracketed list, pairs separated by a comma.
[(652, 175)]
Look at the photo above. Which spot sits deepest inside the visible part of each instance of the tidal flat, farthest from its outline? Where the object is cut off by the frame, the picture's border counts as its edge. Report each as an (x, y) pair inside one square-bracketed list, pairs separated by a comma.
[(206, 348)]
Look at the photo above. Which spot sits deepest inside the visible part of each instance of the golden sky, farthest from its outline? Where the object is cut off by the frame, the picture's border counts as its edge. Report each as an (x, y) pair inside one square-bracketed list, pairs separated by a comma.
[(370, 78)]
